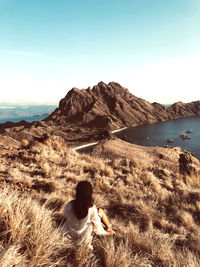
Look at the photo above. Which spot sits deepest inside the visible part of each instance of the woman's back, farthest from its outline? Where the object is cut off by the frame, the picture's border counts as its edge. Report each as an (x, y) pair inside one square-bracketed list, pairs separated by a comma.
[(80, 230), (82, 216)]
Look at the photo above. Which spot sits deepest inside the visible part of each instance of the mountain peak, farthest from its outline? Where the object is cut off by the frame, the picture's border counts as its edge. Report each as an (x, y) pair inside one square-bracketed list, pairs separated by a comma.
[(113, 106)]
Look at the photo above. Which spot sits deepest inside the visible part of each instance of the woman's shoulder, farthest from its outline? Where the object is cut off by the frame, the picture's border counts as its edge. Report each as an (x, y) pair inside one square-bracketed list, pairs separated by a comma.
[(94, 207), (93, 210)]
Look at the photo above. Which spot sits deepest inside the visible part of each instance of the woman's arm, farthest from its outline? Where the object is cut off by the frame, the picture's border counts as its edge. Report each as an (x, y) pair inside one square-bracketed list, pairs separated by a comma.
[(105, 221), (104, 218), (98, 227)]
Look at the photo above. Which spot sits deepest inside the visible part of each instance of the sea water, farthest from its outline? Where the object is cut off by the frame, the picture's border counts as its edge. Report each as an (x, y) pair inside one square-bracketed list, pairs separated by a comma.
[(27, 113), (157, 134), (24, 118)]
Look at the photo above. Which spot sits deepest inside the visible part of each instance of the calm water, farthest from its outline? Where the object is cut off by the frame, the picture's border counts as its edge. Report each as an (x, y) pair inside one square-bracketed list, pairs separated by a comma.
[(158, 133), (28, 113), (26, 118)]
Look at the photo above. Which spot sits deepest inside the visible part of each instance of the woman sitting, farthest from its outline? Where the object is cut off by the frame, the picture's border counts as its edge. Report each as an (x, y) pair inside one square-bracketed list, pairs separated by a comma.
[(82, 216)]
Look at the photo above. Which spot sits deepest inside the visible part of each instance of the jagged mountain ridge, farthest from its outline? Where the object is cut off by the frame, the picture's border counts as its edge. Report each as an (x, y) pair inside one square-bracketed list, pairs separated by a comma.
[(113, 106), (82, 114)]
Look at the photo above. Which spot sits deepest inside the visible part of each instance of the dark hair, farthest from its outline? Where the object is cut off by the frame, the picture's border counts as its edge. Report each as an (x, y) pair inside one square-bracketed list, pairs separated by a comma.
[(83, 199)]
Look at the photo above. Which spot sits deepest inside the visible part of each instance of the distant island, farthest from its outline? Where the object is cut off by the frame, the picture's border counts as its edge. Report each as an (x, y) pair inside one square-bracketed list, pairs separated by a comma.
[(16, 112), (42, 115)]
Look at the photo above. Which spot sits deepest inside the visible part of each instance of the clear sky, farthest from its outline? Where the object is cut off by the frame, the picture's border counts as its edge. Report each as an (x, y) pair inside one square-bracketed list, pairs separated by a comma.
[(152, 47)]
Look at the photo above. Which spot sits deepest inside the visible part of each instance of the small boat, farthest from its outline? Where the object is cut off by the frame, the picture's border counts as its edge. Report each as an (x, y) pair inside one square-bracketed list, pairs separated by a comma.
[(189, 131), (166, 146), (170, 140), (184, 136)]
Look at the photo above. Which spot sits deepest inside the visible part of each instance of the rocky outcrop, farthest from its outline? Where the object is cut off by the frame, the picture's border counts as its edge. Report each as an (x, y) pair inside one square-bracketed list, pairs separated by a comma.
[(187, 163)]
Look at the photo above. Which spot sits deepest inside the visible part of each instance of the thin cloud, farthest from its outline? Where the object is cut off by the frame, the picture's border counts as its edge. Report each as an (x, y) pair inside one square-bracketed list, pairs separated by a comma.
[(22, 53)]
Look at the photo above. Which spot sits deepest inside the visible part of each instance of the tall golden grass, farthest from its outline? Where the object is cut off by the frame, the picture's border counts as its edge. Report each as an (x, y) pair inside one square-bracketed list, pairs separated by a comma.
[(154, 209)]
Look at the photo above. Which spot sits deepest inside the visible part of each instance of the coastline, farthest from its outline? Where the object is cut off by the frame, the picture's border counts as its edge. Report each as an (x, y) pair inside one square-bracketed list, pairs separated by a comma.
[(121, 129), (123, 134), (95, 143)]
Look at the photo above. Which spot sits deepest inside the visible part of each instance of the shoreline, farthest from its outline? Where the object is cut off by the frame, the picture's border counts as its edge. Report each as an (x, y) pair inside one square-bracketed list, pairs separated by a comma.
[(95, 143), (121, 129)]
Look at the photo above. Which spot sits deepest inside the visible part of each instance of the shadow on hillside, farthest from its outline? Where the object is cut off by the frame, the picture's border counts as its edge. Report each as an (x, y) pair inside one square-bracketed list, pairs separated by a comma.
[(46, 187), (127, 213)]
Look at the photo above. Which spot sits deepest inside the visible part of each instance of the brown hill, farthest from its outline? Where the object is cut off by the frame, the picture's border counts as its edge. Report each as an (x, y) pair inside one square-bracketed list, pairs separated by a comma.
[(151, 196)]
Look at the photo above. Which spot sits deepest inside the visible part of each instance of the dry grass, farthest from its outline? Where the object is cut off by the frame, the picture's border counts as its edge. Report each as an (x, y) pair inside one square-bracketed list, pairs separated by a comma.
[(154, 209), (28, 236)]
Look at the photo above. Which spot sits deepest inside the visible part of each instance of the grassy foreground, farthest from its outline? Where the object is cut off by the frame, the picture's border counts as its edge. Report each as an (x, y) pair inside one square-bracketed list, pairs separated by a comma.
[(154, 208)]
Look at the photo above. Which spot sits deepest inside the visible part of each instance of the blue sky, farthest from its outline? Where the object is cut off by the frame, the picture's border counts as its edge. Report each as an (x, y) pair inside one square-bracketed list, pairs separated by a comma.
[(152, 47)]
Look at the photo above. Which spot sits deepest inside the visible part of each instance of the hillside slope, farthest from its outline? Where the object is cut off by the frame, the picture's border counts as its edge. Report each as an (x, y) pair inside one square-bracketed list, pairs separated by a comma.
[(151, 195)]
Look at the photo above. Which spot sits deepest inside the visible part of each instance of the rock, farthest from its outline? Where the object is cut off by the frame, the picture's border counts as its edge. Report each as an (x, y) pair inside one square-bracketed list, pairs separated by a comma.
[(40, 123), (25, 143), (42, 139), (185, 163), (17, 129), (105, 134)]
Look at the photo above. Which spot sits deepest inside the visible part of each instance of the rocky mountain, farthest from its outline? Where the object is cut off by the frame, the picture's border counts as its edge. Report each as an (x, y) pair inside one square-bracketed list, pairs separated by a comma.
[(82, 115), (113, 106)]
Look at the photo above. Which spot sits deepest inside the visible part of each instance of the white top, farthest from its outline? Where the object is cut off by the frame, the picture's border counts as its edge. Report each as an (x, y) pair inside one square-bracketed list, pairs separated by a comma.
[(81, 230)]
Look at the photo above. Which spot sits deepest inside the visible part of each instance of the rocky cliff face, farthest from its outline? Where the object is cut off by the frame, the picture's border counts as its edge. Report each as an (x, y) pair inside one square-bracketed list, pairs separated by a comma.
[(83, 113), (112, 106)]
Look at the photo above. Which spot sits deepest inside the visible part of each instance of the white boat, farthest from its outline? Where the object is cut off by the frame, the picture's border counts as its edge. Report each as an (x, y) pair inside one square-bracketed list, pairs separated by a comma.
[(184, 136)]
